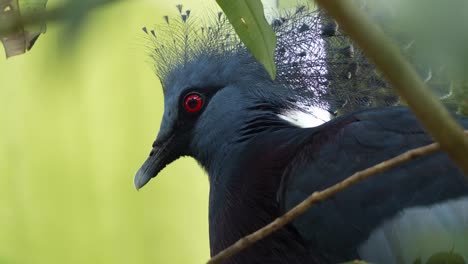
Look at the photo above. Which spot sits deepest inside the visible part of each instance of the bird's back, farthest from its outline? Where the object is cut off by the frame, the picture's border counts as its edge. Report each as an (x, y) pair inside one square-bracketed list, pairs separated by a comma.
[(408, 212)]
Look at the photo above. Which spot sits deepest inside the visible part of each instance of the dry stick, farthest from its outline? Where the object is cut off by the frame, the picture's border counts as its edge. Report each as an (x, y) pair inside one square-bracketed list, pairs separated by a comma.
[(320, 196), (403, 78)]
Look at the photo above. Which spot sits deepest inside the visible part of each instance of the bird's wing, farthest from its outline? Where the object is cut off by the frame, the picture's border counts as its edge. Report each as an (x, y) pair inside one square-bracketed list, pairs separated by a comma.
[(425, 200)]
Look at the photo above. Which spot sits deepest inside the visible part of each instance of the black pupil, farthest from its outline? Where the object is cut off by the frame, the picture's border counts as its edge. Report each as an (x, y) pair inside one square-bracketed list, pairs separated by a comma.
[(192, 103)]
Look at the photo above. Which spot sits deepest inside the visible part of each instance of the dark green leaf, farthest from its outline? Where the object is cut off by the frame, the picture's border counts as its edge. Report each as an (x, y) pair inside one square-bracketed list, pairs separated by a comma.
[(248, 20), (417, 261), (446, 258)]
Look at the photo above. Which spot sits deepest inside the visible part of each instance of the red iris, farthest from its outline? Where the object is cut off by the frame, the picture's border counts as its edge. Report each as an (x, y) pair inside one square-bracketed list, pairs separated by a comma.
[(193, 102)]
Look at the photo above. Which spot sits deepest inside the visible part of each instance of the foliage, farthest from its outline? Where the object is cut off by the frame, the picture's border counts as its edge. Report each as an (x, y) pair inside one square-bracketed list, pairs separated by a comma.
[(22, 38), (446, 257), (247, 18)]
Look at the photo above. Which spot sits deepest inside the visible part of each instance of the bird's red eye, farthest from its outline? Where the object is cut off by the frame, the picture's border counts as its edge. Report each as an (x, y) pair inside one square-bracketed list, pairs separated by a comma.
[(193, 102)]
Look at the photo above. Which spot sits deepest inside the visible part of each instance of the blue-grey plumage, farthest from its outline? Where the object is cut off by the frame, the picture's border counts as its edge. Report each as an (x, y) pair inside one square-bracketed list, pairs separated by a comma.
[(221, 108)]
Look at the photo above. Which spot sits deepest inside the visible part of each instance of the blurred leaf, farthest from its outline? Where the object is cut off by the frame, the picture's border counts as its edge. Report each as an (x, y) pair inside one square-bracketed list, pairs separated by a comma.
[(355, 262), (447, 257), (406, 32), (417, 261), (433, 36), (284, 4), (76, 14), (22, 38), (248, 20)]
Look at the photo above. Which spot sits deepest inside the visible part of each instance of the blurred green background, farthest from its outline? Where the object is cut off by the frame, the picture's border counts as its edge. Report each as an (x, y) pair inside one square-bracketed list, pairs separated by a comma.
[(78, 115), (77, 119)]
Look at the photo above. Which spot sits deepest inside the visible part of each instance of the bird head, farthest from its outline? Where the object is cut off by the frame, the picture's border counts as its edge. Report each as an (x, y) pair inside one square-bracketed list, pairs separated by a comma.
[(217, 97), (207, 104)]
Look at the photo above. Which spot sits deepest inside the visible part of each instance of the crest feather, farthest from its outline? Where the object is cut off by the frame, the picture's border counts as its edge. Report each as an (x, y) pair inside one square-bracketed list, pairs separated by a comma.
[(313, 57)]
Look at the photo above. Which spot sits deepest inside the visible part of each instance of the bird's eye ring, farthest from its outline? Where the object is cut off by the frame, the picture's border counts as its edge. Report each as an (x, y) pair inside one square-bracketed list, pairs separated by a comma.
[(193, 102)]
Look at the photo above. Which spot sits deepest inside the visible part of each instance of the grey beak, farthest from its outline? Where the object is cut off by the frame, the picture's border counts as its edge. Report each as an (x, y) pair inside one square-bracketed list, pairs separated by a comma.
[(160, 156), (142, 177)]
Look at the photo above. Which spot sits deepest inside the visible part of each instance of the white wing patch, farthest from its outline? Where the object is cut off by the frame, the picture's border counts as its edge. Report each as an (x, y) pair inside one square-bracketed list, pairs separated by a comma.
[(311, 118), (420, 232)]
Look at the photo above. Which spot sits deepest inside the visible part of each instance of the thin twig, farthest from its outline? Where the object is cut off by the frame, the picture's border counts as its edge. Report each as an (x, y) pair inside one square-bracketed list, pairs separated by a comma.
[(403, 78), (320, 196)]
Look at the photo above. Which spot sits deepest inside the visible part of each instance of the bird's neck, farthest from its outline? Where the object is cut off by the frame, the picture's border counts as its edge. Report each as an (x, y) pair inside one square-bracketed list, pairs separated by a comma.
[(243, 194)]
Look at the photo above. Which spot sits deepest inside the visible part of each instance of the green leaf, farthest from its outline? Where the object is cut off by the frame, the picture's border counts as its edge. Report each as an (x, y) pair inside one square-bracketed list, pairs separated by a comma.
[(20, 39), (446, 258), (248, 20), (417, 261)]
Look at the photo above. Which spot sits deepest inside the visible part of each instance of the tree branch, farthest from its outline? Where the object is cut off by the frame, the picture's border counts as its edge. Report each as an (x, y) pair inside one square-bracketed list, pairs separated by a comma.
[(404, 79), (320, 196)]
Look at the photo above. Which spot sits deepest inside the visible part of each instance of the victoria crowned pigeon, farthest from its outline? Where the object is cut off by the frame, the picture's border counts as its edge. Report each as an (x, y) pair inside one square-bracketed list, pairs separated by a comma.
[(266, 146)]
